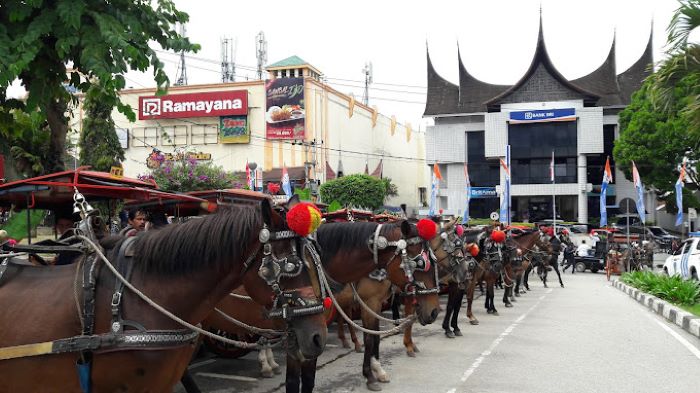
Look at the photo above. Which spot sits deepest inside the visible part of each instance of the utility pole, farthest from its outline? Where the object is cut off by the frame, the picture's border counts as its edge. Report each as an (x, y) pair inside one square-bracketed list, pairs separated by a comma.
[(261, 52), (228, 59), (367, 71), (181, 74)]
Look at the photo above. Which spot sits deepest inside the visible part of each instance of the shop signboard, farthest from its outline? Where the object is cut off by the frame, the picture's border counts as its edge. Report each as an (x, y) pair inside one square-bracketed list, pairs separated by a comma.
[(483, 192), (234, 129), (285, 116), (211, 104), (564, 114)]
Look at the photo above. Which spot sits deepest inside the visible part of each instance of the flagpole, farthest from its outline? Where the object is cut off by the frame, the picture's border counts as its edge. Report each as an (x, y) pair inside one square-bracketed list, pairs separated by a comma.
[(509, 181), (554, 198)]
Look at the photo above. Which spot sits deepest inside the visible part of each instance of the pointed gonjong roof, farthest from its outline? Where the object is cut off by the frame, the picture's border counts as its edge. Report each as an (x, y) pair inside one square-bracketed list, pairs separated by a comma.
[(602, 87), (541, 68)]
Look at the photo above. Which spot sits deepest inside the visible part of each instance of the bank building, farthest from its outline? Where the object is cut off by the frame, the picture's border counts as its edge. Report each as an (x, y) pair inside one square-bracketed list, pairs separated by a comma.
[(542, 112)]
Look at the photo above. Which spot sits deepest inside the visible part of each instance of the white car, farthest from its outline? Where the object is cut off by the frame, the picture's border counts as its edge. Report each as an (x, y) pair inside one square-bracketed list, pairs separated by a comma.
[(686, 261)]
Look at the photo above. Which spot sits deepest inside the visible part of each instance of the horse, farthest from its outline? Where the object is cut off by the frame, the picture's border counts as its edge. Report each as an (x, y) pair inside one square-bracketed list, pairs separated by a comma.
[(186, 268), (520, 249), (355, 239)]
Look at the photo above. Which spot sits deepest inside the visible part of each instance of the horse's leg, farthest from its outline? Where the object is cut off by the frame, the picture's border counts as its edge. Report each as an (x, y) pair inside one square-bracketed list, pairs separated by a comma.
[(189, 383), (271, 361), (355, 341), (470, 299), (408, 309), (292, 378), (455, 314), (518, 280), (341, 330), (556, 269), (450, 308), (508, 284), (308, 375), (491, 293), (395, 306), (265, 368), (526, 275), (376, 366), (370, 322)]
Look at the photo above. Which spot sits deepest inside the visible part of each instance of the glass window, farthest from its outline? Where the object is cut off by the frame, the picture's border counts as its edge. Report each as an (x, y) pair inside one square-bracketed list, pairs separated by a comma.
[(687, 247)]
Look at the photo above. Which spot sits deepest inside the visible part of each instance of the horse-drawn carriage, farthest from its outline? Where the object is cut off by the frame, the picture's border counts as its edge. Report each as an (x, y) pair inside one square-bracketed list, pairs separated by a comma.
[(628, 253)]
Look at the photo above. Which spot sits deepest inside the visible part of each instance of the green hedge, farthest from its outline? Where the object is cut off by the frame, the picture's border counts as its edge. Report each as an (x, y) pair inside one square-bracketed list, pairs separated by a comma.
[(673, 289), (16, 226)]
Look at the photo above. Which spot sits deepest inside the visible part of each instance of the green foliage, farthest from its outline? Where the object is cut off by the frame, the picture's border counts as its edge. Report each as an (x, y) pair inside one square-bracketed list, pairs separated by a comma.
[(99, 144), (101, 40), (355, 190), (673, 289), (27, 141), (334, 206), (190, 175), (304, 193), (16, 226), (657, 141), (391, 189)]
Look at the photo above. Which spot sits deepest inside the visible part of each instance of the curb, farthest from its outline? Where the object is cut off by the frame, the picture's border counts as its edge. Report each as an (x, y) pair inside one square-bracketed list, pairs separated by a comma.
[(685, 320)]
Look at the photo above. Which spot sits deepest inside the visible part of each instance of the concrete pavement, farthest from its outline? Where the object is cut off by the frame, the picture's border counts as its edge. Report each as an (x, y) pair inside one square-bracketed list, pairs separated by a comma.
[(587, 337)]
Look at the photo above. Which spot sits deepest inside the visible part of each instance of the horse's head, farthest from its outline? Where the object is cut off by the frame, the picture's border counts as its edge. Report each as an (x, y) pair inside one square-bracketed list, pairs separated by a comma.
[(417, 273), (449, 251), (284, 279)]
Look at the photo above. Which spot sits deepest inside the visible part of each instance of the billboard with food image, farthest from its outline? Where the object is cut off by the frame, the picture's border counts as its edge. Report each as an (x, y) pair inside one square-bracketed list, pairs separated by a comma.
[(285, 116)]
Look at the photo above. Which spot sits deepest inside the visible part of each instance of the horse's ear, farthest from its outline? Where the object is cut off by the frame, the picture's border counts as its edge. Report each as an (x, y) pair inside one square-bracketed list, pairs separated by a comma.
[(406, 228), (450, 224), (293, 201), (266, 209)]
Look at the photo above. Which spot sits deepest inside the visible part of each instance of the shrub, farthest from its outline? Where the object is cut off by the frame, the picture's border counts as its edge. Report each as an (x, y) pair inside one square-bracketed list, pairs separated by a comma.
[(355, 190), (191, 175), (674, 289)]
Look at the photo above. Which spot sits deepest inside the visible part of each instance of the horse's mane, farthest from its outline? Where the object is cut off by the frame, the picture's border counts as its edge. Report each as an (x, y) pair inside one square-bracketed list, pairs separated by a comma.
[(338, 236), (213, 241)]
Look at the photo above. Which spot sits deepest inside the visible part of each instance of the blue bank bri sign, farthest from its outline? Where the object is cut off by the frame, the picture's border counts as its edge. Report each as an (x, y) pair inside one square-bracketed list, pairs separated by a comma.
[(483, 192), (564, 114)]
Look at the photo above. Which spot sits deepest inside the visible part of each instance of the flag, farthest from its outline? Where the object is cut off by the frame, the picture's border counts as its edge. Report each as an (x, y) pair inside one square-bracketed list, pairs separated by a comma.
[(551, 168), (248, 177), (640, 192), (379, 171), (468, 189), (504, 215), (366, 168), (330, 174), (434, 189), (607, 178), (286, 185), (679, 195)]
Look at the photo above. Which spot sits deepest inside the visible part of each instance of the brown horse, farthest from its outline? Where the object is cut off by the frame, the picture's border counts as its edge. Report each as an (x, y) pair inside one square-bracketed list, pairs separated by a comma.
[(529, 245), (187, 268)]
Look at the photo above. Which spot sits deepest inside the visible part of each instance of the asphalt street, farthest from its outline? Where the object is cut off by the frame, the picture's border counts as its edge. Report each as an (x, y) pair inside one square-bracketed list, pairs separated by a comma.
[(586, 337)]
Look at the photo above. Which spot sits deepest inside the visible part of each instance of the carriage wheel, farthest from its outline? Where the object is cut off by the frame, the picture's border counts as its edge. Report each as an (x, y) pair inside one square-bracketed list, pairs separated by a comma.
[(228, 350)]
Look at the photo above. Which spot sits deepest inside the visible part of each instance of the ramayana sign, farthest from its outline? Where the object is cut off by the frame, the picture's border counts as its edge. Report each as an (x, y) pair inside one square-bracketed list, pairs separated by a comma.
[(174, 106)]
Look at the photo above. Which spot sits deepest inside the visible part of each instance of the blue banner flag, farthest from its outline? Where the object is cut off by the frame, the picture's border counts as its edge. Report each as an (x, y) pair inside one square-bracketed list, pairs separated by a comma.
[(679, 196), (607, 178), (468, 190), (505, 204), (640, 193)]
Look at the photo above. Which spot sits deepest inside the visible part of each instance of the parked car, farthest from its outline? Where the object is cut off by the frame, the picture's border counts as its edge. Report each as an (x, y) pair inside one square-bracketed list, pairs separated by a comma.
[(658, 235), (685, 262)]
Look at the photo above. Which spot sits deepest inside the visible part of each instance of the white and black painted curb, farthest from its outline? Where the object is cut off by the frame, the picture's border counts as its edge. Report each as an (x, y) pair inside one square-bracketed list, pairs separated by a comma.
[(685, 320)]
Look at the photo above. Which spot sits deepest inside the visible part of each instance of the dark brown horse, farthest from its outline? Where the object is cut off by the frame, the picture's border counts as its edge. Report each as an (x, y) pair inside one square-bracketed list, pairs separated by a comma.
[(342, 243), (187, 268)]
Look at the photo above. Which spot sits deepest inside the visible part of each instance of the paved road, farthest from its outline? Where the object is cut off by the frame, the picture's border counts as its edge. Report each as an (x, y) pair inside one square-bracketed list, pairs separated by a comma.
[(587, 337)]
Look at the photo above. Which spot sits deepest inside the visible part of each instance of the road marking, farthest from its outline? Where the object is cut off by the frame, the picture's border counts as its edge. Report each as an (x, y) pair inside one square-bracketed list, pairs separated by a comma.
[(202, 363), (468, 373), (226, 376), (678, 337)]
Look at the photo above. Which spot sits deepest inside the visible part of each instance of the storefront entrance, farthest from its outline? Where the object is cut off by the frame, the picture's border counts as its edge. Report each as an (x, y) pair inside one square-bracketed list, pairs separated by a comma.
[(538, 208)]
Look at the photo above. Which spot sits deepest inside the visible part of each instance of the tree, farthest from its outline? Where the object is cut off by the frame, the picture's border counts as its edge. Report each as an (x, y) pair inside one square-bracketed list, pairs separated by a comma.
[(657, 141), (101, 40), (99, 145), (355, 190)]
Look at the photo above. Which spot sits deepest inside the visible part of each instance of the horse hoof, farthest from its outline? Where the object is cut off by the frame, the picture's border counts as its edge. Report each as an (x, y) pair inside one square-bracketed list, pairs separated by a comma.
[(410, 354), (458, 333), (562, 285), (277, 370), (358, 349), (267, 374), (517, 294), (384, 379), (508, 305), (374, 386), (474, 322), (415, 348), (495, 313), (449, 334)]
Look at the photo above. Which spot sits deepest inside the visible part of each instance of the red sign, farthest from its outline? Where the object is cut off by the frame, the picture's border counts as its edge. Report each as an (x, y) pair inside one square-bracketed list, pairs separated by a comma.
[(174, 106)]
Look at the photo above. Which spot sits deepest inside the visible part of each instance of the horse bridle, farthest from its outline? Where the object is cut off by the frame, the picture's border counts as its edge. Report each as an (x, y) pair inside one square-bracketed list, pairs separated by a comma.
[(287, 304)]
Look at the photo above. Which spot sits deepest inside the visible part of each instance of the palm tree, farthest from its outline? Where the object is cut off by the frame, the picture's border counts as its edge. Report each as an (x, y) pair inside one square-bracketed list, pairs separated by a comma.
[(683, 62)]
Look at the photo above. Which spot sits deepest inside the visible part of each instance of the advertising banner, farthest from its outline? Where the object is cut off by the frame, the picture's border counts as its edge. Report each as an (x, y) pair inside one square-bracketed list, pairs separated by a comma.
[(285, 116), (234, 129), (175, 106), (565, 114)]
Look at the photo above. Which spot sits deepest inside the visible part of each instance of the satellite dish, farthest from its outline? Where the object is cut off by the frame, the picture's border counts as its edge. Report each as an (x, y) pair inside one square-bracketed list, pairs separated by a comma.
[(494, 216)]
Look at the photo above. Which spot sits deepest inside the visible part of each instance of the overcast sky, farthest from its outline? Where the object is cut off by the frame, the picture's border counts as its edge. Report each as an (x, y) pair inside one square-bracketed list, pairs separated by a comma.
[(497, 40)]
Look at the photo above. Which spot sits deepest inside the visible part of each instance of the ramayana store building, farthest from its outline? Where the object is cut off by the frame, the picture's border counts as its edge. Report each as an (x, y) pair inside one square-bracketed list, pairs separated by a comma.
[(291, 119)]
